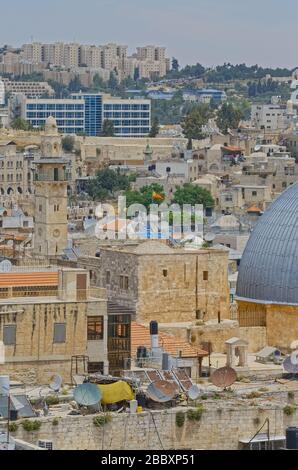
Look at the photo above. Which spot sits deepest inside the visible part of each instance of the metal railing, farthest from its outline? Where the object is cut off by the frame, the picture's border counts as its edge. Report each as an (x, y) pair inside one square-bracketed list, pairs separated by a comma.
[(75, 295)]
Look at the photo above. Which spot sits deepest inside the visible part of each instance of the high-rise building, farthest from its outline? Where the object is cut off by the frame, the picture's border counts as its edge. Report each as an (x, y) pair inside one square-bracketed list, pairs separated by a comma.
[(71, 55), (33, 52)]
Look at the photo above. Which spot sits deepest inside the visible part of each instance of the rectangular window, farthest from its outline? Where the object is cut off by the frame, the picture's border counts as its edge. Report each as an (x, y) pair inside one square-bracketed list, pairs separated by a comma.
[(9, 335), (94, 328), (94, 367), (205, 275), (124, 282), (108, 278), (59, 333)]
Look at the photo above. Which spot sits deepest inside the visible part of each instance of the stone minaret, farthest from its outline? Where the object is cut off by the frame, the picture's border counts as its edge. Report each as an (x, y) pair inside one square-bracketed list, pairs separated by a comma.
[(50, 233)]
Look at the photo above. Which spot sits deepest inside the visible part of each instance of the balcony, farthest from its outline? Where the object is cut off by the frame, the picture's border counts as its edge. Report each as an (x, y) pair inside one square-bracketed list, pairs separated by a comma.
[(52, 178)]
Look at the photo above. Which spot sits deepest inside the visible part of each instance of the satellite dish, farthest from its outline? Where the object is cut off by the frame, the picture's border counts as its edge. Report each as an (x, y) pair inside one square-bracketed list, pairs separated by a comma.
[(55, 382), (209, 237), (193, 392), (290, 366), (162, 391), (5, 266), (224, 377), (87, 394), (16, 403)]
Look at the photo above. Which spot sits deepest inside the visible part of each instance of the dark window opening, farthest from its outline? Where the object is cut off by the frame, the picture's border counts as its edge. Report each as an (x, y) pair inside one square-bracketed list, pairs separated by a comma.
[(95, 326)]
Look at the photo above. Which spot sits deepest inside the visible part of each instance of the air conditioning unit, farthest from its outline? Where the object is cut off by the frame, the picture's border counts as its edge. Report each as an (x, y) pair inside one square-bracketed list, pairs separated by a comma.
[(44, 444)]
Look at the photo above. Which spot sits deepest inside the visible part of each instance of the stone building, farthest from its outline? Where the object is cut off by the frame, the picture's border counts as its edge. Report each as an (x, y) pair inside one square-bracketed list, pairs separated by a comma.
[(167, 284), (16, 173), (267, 287), (49, 317), (238, 197)]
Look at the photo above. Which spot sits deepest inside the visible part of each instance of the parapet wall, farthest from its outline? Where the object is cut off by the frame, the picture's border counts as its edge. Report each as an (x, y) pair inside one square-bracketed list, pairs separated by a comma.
[(219, 428)]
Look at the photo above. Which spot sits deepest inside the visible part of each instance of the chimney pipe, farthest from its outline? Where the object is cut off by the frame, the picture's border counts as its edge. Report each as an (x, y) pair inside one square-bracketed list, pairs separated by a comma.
[(154, 334)]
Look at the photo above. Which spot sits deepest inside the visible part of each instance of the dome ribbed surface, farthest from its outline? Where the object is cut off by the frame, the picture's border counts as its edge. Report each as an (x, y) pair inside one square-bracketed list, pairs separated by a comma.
[(269, 266)]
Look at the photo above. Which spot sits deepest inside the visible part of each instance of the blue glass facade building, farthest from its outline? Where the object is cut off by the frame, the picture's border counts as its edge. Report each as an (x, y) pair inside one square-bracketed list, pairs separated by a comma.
[(93, 112), (85, 113), (131, 118), (69, 114)]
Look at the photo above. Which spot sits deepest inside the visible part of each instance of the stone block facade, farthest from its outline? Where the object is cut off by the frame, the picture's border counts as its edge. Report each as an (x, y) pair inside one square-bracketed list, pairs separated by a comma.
[(166, 284), (220, 428)]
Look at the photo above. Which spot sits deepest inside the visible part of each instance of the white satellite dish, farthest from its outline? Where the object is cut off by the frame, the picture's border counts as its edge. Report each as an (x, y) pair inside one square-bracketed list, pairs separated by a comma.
[(194, 392), (209, 237), (55, 383), (5, 266)]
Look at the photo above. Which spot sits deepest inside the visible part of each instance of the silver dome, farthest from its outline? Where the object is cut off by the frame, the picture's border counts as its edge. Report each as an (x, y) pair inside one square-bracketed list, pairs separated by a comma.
[(268, 270)]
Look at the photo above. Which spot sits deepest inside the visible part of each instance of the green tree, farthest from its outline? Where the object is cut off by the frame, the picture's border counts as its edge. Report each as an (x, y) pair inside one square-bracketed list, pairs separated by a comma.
[(21, 124), (108, 128), (113, 81), (146, 195), (193, 194), (75, 85), (189, 144), (68, 143), (194, 120), (175, 64), (98, 83), (228, 117), (106, 183), (154, 128)]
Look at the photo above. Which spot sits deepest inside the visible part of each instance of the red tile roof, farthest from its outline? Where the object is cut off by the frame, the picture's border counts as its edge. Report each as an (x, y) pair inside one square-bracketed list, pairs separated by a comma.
[(140, 336)]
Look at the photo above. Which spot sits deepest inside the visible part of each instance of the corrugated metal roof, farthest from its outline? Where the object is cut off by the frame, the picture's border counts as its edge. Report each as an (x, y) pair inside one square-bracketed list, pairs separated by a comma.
[(269, 266)]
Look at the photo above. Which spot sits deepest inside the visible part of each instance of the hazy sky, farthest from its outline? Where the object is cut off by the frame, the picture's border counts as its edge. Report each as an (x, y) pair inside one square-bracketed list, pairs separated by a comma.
[(206, 31)]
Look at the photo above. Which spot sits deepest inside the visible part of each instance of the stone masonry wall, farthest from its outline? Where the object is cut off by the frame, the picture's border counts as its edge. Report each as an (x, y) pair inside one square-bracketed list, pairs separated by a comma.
[(219, 428)]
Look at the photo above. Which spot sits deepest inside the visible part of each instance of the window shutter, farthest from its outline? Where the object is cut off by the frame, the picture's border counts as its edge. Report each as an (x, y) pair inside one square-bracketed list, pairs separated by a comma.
[(59, 333), (9, 335)]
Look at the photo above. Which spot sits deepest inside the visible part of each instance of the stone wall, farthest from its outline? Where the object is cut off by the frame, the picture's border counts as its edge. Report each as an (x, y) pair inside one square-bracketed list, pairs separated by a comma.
[(218, 428), (35, 356), (217, 334), (282, 326), (280, 322)]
